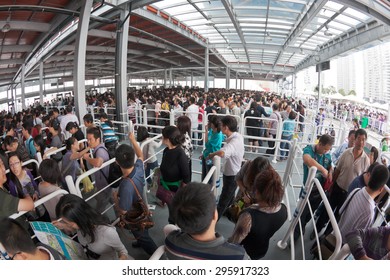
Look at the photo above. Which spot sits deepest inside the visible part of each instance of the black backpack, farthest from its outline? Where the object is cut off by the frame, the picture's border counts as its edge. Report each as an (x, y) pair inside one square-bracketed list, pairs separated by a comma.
[(114, 173)]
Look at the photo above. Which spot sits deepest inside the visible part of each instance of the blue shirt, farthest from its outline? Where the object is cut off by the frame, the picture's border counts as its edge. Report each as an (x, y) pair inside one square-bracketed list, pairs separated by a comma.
[(323, 160), (288, 127), (127, 194), (214, 142), (357, 183), (108, 133), (30, 147)]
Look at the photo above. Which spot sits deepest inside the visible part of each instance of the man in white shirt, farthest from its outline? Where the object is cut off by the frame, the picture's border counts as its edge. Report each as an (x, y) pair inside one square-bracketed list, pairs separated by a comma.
[(69, 117), (192, 112), (233, 153)]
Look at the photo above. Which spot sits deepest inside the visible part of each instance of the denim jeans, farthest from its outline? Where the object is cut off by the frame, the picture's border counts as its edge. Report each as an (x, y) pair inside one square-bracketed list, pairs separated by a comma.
[(205, 169), (227, 194), (285, 146), (150, 167), (145, 241)]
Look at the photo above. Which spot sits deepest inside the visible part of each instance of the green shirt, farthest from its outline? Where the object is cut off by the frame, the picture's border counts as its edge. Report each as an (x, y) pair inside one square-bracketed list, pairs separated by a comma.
[(9, 204), (324, 160)]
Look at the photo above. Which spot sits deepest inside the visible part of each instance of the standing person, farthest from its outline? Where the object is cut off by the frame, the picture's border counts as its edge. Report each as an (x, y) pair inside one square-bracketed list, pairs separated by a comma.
[(75, 131), (194, 211), (287, 134), (352, 163), (317, 156), (259, 222), (184, 126), (124, 198), (233, 153), (88, 121), (341, 149), (56, 140), (100, 155), (149, 152), (213, 142), (69, 117), (110, 140), (99, 239), (272, 128), (150, 114), (29, 143), (177, 109), (253, 126), (192, 112)]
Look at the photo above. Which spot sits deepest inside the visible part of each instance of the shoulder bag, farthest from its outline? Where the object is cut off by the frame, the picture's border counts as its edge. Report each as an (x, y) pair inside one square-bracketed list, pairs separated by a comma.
[(138, 217)]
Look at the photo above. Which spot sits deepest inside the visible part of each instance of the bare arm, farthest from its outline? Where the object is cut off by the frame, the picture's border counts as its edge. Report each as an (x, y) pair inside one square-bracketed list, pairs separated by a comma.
[(26, 204), (95, 162), (219, 153), (78, 155), (137, 148), (310, 162)]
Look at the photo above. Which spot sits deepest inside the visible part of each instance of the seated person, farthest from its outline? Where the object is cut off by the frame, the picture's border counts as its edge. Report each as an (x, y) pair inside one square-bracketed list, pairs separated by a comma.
[(370, 244), (18, 244), (194, 210), (258, 223)]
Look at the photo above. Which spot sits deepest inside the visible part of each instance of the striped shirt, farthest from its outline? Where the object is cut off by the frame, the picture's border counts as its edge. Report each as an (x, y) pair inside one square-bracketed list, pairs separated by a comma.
[(359, 213), (108, 133)]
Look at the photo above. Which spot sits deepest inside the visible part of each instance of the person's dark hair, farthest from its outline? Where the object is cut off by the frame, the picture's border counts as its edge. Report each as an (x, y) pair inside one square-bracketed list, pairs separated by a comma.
[(172, 133), (88, 118), (15, 238), (326, 139), (27, 126), (39, 141), (292, 115), (360, 131), (49, 171), (8, 140), (192, 100), (378, 177), (55, 124), (351, 132), (76, 210), (94, 131), (255, 167), (184, 125), (125, 155), (68, 109), (12, 177), (71, 125), (142, 133), (275, 107), (216, 121), (375, 151), (230, 122), (193, 208), (55, 109), (69, 142), (269, 188), (371, 167)]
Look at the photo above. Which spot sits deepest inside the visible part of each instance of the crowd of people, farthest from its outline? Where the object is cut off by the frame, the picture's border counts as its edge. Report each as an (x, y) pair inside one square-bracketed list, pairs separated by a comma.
[(192, 205)]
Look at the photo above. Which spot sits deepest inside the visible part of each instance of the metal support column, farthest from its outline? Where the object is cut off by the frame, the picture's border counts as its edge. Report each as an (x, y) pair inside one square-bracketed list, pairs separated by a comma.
[(294, 89), (22, 85), (227, 84), (165, 78), (170, 78), (41, 83), (236, 80), (206, 68), (192, 79), (319, 88), (122, 40), (80, 58)]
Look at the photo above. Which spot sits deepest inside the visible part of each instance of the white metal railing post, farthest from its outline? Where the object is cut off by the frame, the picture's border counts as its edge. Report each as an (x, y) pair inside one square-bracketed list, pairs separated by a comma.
[(39, 157), (217, 173), (205, 123), (172, 117), (304, 196), (145, 114), (92, 112), (289, 163), (277, 140), (71, 186)]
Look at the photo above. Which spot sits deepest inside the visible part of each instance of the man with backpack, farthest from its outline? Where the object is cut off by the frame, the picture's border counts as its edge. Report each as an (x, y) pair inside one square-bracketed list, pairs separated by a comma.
[(100, 155), (109, 138)]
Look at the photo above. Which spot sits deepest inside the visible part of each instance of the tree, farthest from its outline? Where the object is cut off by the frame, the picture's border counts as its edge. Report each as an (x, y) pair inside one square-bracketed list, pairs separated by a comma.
[(342, 92), (352, 92)]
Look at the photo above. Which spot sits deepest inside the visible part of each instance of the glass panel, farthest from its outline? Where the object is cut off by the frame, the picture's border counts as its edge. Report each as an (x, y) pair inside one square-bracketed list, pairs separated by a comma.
[(338, 26), (286, 5), (167, 3), (180, 9), (356, 14), (333, 5), (348, 20)]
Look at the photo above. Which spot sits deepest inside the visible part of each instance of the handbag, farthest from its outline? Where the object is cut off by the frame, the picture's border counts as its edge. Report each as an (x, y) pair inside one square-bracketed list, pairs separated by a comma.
[(327, 184), (87, 184), (138, 217), (164, 195), (234, 210)]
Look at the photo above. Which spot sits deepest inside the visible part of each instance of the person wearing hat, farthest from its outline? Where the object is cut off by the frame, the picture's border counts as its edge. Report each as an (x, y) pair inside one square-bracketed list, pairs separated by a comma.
[(109, 138)]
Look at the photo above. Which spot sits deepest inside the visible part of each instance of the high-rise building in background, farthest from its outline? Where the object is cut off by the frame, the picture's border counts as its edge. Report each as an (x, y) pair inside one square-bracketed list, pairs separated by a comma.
[(377, 73), (346, 74)]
